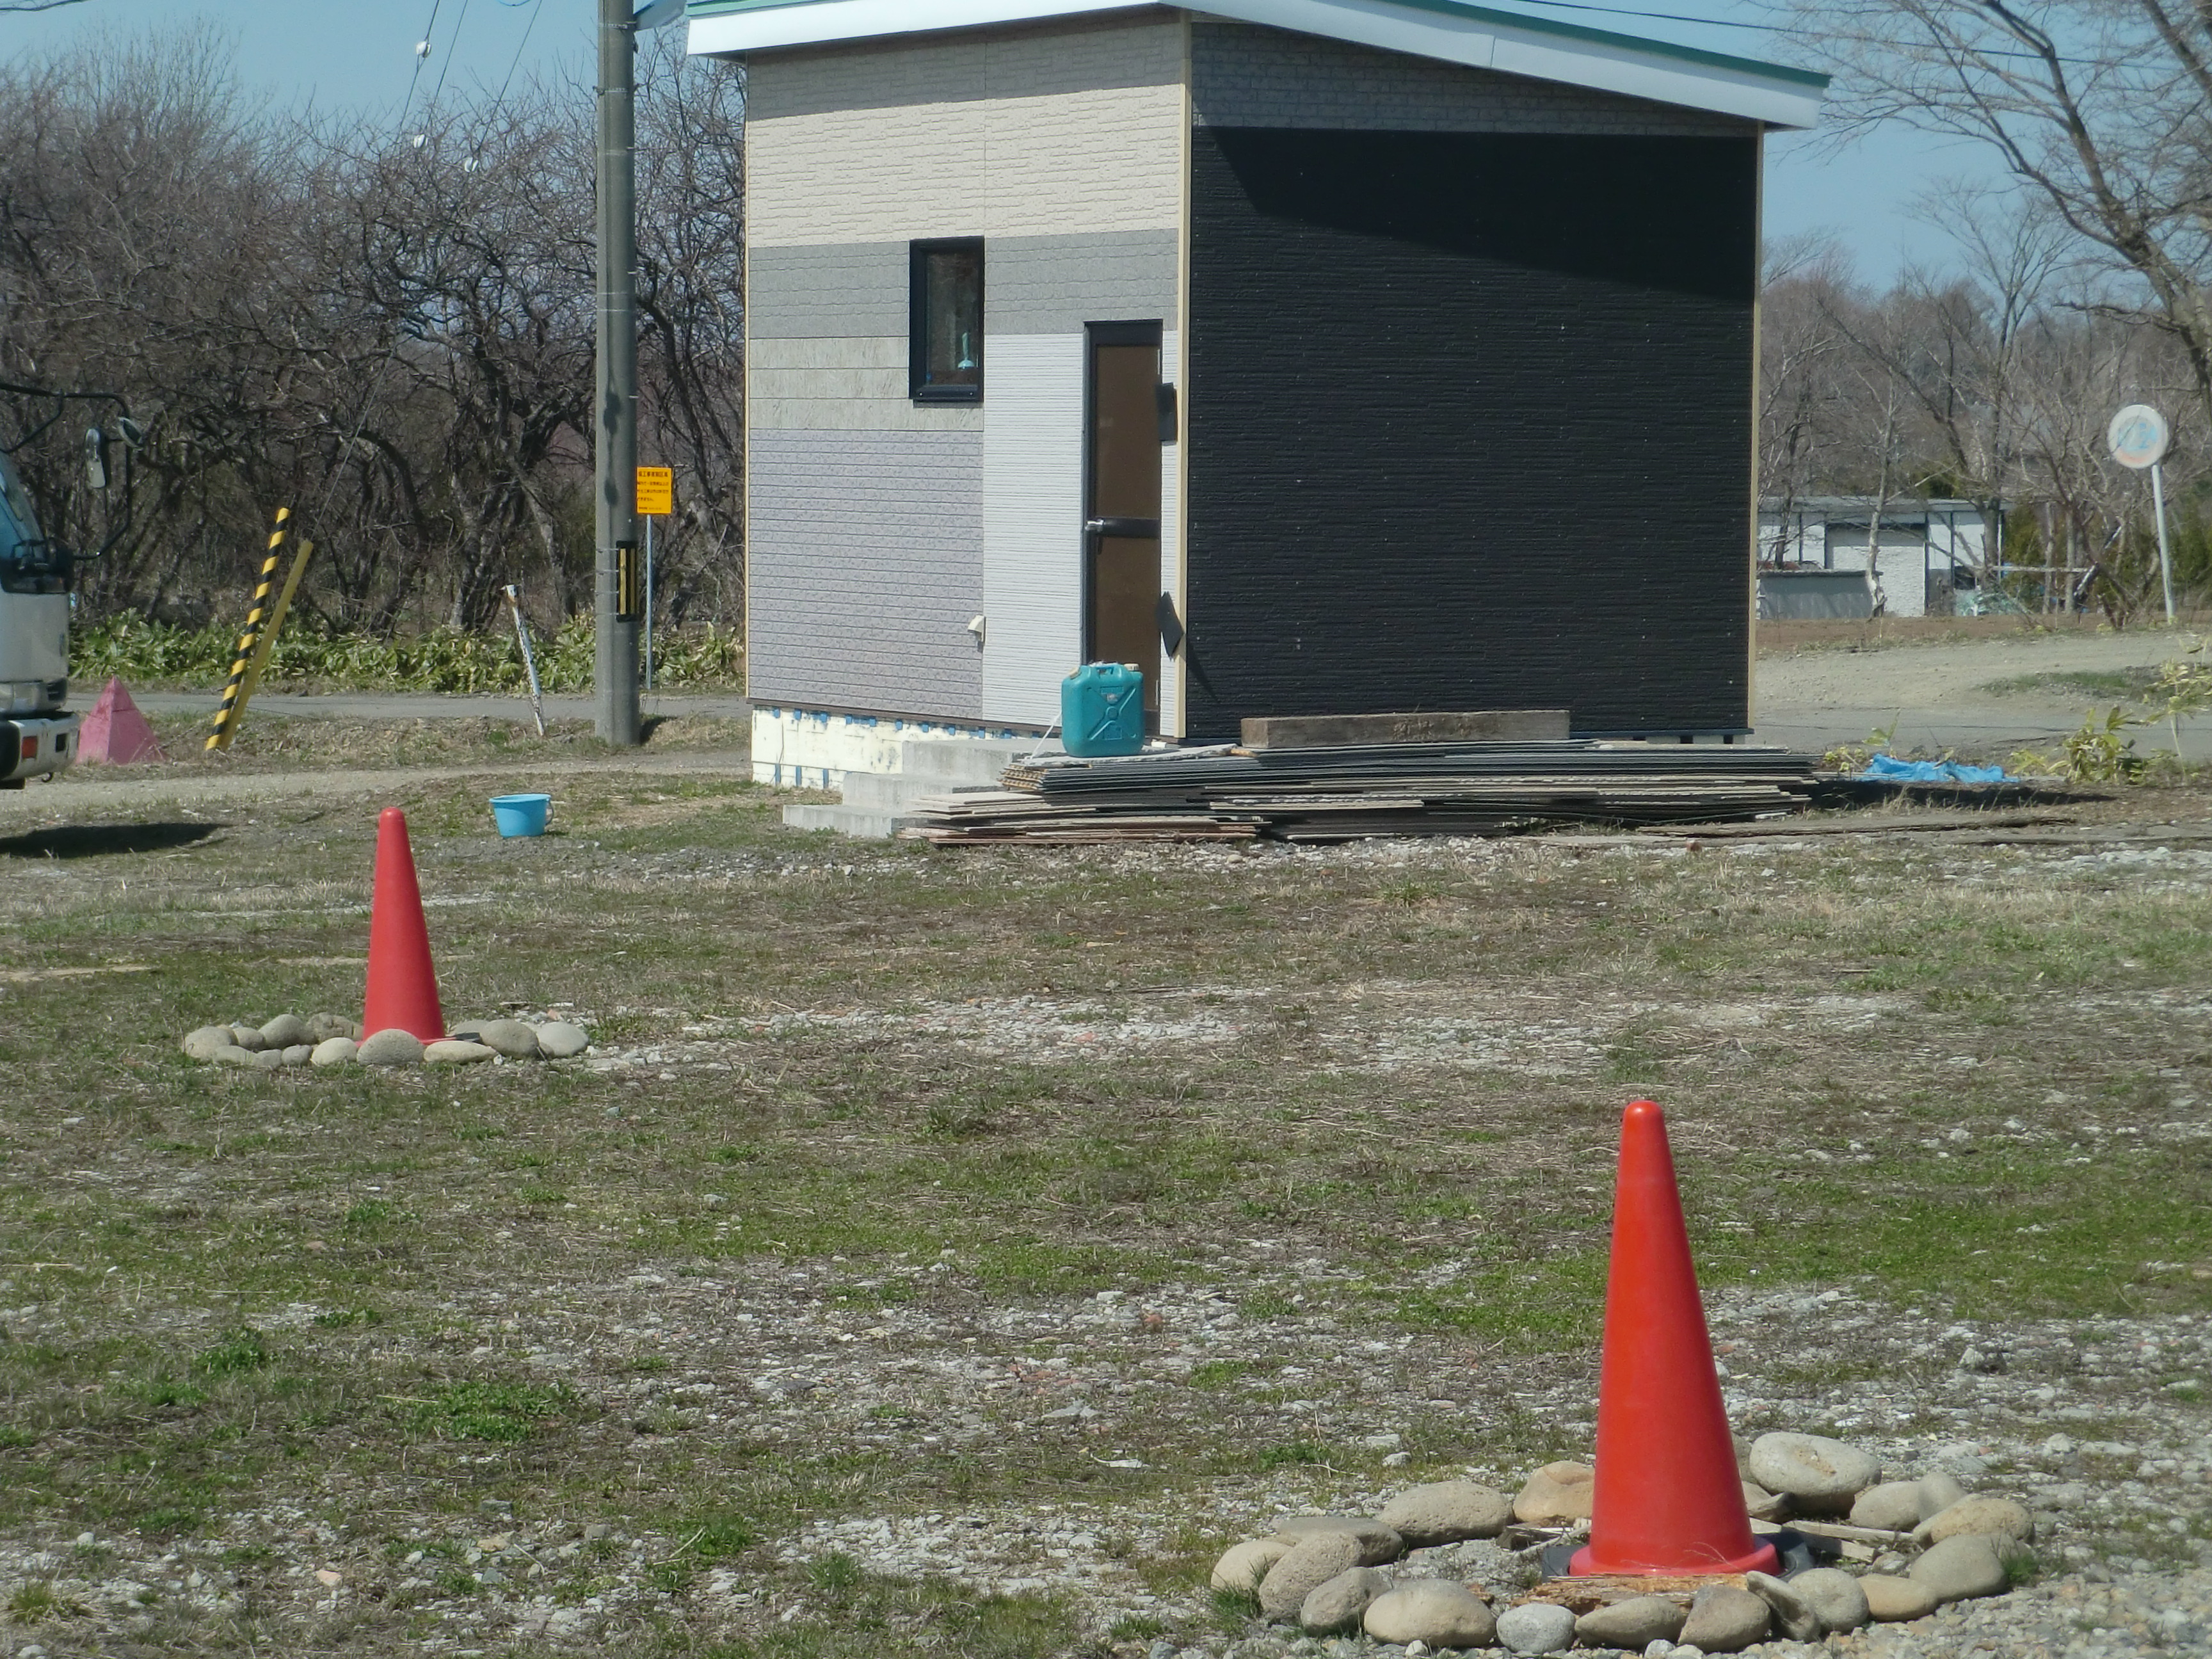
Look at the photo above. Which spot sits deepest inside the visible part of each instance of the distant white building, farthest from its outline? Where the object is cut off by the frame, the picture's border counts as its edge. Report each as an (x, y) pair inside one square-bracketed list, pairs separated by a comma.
[(1930, 556)]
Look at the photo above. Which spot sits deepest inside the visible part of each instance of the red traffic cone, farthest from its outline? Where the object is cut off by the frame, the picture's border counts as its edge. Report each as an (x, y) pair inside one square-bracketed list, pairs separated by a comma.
[(1669, 1499), (403, 986), (115, 733)]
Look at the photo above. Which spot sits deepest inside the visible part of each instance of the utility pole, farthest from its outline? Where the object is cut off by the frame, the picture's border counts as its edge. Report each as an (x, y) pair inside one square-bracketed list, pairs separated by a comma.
[(619, 589)]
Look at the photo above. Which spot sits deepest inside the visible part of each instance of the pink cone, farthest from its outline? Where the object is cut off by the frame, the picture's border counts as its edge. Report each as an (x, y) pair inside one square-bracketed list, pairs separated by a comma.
[(115, 733)]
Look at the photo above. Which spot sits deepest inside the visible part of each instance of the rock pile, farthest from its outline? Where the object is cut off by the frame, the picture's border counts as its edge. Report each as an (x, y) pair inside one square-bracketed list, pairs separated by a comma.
[(330, 1040), (1859, 1549)]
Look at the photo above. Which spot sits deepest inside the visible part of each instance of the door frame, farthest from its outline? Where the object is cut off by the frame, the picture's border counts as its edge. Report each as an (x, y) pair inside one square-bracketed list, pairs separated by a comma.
[(1147, 333)]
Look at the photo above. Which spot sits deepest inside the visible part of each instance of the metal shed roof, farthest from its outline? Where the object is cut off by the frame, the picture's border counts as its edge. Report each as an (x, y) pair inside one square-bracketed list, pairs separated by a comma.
[(1450, 31)]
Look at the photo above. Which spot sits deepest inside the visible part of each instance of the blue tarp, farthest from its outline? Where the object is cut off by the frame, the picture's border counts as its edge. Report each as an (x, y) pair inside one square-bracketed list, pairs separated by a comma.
[(1892, 770)]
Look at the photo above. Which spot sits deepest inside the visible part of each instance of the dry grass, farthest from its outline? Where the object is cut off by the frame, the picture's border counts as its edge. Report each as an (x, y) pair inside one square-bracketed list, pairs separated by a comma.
[(267, 742), (886, 1122)]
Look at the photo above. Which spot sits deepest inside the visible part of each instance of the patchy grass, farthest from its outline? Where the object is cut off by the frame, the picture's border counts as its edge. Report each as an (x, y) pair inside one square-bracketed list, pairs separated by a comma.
[(271, 741), (903, 1162), (2103, 685)]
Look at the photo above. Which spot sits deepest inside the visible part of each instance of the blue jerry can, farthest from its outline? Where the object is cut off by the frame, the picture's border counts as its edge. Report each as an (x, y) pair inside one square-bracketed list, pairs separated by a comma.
[(1102, 709)]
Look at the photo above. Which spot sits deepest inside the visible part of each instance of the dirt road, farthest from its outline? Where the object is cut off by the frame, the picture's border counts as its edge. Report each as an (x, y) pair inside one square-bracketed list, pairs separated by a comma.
[(1937, 695), (1940, 696)]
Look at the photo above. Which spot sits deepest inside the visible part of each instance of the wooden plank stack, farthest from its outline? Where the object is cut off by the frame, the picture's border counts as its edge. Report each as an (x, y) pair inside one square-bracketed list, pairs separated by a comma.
[(1350, 792)]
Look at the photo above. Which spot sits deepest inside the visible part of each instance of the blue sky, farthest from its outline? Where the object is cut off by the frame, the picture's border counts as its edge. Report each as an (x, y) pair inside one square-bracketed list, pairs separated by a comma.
[(360, 54)]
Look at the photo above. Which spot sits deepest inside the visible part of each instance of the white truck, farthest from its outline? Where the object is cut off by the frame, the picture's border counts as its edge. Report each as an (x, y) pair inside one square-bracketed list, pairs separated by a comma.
[(37, 736)]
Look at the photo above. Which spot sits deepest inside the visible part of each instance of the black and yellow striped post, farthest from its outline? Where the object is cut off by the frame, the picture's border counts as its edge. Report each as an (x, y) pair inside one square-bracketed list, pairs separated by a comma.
[(270, 629), (226, 718)]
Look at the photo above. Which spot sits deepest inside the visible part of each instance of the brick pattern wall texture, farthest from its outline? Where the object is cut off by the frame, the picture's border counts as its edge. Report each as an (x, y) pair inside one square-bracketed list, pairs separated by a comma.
[(1141, 47), (1037, 285), (827, 291), (867, 562), (1001, 133), (1246, 76), (1470, 426)]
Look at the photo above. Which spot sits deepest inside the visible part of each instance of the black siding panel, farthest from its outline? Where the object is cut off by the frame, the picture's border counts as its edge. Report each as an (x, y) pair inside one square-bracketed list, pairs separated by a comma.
[(1470, 426)]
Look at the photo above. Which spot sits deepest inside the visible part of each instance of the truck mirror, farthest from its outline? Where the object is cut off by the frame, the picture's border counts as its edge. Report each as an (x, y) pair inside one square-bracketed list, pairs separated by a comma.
[(95, 459)]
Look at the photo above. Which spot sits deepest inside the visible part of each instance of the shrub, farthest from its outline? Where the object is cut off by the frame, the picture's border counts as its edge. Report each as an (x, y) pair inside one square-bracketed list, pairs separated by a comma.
[(445, 660)]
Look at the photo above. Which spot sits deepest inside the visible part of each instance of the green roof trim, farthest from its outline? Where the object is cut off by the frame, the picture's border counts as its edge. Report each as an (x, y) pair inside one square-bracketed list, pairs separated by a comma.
[(1446, 8)]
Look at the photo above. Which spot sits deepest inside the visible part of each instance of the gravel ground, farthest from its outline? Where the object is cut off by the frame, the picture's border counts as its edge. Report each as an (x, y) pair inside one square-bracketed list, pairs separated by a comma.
[(2100, 1423)]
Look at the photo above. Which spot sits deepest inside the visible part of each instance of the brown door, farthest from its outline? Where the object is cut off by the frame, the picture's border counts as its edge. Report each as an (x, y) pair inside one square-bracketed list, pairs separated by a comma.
[(1122, 532)]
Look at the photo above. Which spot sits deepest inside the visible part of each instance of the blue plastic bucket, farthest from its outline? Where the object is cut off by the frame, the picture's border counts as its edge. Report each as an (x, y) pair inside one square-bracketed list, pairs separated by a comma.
[(520, 815)]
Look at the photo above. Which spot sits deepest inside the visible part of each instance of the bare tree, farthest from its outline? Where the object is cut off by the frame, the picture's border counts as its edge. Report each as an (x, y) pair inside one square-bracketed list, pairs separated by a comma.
[(391, 336), (691, 231), (2098, 106), (1799, 347)]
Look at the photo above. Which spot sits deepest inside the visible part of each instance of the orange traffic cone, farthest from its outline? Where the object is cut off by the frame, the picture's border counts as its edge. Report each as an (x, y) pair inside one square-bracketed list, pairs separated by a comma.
[(1669, 1500), (403, 986)]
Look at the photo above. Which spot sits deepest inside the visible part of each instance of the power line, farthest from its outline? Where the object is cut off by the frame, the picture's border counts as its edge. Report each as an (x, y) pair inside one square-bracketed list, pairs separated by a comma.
[(376, 380), (453, 50), (421, 57), (500, 102)]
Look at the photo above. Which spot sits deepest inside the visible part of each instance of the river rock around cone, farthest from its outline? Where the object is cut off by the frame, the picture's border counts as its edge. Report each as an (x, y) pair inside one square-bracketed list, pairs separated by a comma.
[(1434, 1611), (1761, 1504), (323, 1027), (510, 1037), (1446, 1512), (1823, 1475), (1726, 1619), (249, 1038), (558, 1039), (1892, 1506), (285, 1031), (1793, 1617), (390, 1048), (1241, 1566), (1557, 1494), (1333, 1608), (1934, 1494), (333, 1051), (1987, 1517), (202, 1043), (231, 1054), (1304, 1568), (1894, 1599), (1960, 1568), (1635, 1624), (1536, 1627), (1834, 1596), (448, 1052), (298, 1054), (1377, 1543)]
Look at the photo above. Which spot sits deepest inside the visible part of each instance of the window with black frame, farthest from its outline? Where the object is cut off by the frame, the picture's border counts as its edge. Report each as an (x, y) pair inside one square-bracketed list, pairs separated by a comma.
[(947, 322)]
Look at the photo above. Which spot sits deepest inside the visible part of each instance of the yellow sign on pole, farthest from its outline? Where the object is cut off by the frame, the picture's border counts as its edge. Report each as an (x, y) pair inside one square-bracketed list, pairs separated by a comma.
[(656, 491)]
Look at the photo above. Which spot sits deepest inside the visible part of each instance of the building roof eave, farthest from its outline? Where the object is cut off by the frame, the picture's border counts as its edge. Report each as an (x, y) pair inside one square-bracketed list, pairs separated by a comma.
[(1450, 31)]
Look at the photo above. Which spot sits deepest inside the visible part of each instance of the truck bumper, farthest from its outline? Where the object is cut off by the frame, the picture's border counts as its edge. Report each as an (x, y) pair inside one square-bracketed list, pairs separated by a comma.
[(44, 747)]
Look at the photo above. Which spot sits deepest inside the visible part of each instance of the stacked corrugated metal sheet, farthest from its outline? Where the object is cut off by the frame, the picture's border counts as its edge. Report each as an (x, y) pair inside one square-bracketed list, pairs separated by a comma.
[(1382, 789)]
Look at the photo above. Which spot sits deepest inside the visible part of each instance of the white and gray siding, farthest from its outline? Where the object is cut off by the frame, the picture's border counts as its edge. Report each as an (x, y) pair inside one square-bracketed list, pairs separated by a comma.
[(880, 528)]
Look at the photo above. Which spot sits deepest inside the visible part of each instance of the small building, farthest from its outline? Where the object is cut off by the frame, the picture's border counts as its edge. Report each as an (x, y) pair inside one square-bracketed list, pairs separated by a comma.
[(1929, 558), (1257, 345)]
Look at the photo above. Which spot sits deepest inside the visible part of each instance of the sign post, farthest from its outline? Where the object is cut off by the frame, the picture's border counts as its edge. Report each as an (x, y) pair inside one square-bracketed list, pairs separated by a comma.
[(656, 498), (2138, 439)]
